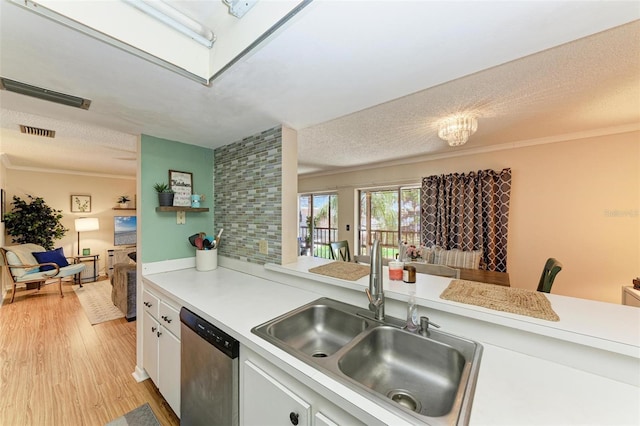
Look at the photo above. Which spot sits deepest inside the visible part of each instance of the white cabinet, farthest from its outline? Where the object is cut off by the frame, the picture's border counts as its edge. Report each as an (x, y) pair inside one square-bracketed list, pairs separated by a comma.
[(268, 402), (151, 328), (161, 346), (270, 396)]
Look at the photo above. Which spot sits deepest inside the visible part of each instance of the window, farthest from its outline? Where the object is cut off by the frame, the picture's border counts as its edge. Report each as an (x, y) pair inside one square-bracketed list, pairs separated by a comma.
[(317, 224), (391, 215)]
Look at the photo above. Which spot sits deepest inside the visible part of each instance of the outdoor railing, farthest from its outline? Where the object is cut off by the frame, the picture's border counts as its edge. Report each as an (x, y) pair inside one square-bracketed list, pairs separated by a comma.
[(322, 237), (388, 241)]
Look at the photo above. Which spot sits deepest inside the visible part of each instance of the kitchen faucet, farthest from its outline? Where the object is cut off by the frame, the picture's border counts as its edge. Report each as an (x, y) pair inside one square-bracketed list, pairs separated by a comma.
[(374, 292)]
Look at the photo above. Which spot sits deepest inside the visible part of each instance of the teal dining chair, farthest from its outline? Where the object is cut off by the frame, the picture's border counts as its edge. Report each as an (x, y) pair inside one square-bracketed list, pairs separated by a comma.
[(340, 251), (551, 269)]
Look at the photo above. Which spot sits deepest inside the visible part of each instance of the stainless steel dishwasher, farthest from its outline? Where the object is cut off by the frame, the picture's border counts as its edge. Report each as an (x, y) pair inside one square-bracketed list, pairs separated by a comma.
[(208, 373)]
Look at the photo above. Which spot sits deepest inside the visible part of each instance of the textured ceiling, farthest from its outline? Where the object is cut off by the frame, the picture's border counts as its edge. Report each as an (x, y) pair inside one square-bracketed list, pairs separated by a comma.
[(83, 148), (357, 80), (589, 84)]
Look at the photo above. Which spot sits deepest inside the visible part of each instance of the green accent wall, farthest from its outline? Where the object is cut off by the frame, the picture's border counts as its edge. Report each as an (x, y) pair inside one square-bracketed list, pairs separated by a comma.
[(162, 237)]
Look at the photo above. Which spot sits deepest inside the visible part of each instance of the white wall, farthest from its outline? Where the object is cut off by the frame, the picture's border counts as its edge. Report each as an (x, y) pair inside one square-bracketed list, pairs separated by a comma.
[(575, 200), (56, 190), (3, 278)]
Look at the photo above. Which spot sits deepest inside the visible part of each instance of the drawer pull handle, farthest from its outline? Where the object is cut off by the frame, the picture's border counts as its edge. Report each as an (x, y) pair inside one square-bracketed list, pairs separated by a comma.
[(159, 334), (153, 329), (294, 418), (166, 318)]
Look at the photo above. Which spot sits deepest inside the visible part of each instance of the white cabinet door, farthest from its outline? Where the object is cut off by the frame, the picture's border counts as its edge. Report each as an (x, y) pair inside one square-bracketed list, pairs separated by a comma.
[(169, 368), (267, 402), (151, 328)]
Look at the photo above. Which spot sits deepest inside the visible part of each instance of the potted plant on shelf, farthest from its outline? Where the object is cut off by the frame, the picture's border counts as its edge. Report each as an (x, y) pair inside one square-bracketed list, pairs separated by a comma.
[(165, 194), (123, 201)]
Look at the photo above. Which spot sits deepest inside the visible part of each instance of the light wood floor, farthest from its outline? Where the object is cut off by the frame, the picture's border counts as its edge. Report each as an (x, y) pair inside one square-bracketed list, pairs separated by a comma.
[(58, 369)]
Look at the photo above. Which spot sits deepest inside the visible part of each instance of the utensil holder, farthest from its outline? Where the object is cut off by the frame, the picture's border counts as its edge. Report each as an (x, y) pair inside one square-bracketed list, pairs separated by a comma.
[(206, 260)]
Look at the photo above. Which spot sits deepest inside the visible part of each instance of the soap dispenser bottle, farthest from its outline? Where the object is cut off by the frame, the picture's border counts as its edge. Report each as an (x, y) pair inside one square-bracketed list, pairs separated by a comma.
[(412, 313)]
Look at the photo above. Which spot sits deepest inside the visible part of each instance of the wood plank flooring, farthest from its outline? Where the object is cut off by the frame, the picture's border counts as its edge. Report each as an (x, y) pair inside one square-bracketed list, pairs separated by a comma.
[(58, 369)]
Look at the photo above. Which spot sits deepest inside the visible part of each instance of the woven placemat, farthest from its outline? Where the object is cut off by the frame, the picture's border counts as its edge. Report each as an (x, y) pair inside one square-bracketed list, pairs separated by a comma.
[(500, 298), (343, 270)]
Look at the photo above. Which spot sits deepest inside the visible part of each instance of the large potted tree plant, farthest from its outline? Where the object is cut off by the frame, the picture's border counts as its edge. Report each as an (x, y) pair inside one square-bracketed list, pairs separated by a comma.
[(33, 221)]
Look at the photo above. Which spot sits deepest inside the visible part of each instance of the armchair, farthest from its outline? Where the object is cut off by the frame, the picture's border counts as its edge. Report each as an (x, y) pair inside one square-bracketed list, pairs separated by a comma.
[(123, 291), (23, 268)]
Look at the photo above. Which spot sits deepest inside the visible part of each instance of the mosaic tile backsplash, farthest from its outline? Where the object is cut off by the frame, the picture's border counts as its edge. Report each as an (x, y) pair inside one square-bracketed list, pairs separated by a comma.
[(248, 196)]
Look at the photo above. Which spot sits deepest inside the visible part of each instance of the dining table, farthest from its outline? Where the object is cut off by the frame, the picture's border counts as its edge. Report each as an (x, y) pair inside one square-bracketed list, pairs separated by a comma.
[(491, 277)]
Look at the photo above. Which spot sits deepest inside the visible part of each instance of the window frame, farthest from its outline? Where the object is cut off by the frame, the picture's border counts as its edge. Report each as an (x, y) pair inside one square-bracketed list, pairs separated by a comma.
[(389, 251), (315, 247)]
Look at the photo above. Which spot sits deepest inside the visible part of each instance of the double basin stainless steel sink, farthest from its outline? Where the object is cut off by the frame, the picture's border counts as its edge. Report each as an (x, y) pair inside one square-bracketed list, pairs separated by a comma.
[(431, 377)]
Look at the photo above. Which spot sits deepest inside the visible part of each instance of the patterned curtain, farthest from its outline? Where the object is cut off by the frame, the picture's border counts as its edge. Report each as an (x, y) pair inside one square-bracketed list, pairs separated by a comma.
[(468, 212)]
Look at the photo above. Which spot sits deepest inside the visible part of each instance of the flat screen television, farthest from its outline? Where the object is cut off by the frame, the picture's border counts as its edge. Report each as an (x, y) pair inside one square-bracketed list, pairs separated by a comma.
[(124, 230)]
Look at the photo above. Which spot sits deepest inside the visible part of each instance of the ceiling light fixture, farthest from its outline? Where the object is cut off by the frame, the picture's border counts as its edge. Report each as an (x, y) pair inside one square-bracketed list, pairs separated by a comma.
[(175, 19), (45, 94), (457, 129)]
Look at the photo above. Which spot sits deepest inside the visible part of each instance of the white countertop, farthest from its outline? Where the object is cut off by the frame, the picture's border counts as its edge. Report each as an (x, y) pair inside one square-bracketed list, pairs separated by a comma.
[(513, 388), (588, 322)]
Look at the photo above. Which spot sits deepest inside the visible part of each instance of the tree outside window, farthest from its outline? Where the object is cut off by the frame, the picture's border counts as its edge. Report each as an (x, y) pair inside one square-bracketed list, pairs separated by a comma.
[(318, 223), (391, 215)]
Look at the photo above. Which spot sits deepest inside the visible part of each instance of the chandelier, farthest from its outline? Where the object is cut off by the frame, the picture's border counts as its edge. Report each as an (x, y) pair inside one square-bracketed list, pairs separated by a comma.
[(457, 129)]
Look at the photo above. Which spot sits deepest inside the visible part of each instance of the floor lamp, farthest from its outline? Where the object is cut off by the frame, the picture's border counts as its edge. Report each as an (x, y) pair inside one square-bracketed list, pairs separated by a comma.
[(85, 224)]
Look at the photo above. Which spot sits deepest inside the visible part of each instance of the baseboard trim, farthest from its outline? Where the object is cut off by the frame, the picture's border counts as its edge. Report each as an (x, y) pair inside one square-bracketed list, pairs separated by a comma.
[(140, 375)]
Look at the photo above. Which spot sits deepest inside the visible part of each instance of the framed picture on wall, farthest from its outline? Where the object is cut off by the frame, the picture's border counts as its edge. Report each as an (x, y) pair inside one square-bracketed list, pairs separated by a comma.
[(80, 203), (182, 185)]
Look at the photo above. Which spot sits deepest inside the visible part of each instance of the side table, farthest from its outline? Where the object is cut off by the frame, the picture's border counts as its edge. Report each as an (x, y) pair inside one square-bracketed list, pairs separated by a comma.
[(87, 258)]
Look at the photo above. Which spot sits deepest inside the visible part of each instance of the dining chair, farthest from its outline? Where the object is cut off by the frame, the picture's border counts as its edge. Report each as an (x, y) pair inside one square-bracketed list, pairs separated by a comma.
[(340, 251), (433, 269), (551, 269)]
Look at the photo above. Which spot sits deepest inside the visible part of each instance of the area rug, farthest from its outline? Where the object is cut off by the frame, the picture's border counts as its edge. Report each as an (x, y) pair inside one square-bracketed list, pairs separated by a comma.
[(506, 299), (343, 270), (141, 416), (95, 299)]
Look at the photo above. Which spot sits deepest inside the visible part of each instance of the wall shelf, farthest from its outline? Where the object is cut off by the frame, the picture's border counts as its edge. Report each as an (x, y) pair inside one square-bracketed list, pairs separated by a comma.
[(181, 209), (126, 208)]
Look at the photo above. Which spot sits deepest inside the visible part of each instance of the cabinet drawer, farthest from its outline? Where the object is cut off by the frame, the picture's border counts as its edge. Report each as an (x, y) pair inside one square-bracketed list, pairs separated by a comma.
[(151, 303), (170, 318)]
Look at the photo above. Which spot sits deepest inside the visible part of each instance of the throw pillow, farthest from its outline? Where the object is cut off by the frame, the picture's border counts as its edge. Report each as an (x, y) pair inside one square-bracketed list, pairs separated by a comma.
[(132, 256), (55, 256), (458, 258)]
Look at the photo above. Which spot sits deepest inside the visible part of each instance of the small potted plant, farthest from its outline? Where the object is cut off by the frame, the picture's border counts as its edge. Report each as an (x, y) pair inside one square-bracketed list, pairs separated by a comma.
[(165, 194), (123, 200)]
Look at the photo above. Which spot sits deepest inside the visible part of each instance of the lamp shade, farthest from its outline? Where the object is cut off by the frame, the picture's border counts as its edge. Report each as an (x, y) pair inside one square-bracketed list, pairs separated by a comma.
[(84, 224)]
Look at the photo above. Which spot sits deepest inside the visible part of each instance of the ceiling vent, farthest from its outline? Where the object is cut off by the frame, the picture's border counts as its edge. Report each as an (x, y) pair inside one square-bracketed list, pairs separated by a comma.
[(45, 94), (37, 131)]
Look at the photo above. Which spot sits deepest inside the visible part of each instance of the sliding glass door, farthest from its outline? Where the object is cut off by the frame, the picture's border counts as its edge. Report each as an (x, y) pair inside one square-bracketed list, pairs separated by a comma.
[(391, 215), (317, 223)]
